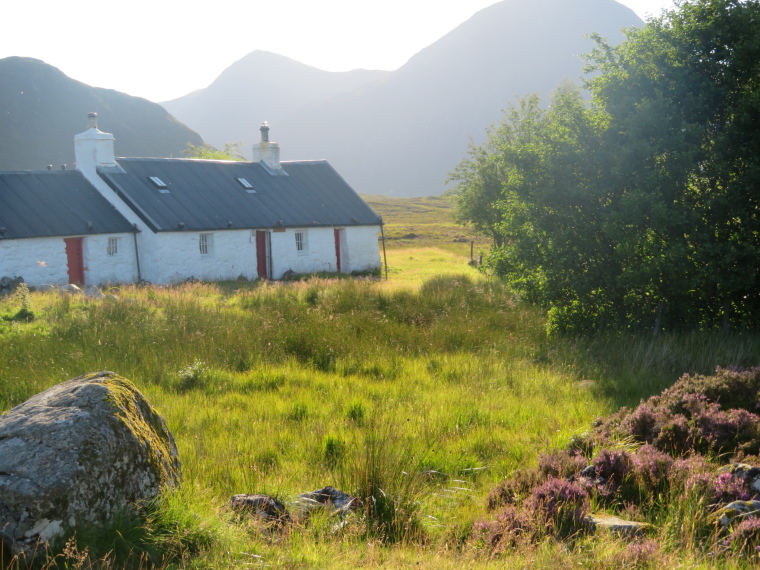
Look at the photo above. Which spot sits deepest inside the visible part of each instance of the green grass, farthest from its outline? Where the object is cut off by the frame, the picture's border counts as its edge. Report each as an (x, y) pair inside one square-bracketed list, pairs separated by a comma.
[(419, 394), (365, 385), (424, 222)]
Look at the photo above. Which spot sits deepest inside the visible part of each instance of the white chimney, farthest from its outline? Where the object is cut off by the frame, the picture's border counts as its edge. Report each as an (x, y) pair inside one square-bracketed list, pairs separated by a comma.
[(93, 148), (265, 151)]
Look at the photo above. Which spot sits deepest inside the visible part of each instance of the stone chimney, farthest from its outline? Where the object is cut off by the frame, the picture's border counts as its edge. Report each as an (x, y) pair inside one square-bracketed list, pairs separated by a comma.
[(94, 148), (265, 151)]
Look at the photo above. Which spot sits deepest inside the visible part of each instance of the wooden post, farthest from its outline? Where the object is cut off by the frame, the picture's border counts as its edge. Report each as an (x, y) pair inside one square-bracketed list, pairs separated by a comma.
[(385, 258)]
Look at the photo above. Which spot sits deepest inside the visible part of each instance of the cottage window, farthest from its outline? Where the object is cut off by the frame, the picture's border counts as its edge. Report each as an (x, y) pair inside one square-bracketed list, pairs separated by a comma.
[(247, 185), (162, 186), (206, 245), (301, 242), (113, 246)]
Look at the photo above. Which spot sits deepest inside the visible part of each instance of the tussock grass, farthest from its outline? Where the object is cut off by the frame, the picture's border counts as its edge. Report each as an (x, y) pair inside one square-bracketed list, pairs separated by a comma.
[(417, 395)]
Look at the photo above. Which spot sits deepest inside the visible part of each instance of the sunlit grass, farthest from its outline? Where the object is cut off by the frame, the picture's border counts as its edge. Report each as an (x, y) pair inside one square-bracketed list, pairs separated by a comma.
[(282, 388), (412, 266)]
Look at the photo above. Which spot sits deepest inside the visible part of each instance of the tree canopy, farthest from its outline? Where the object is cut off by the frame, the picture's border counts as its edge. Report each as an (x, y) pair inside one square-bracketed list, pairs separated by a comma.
[(637, 209), (231, 151)]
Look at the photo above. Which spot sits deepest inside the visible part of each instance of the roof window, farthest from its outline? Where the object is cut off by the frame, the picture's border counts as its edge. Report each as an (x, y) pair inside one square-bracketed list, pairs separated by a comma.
[(245, 184), (160, 184)]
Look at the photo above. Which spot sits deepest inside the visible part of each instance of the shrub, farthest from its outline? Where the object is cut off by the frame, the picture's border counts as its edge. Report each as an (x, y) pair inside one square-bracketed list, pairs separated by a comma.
[(745, 538), (561, 504), (713, 414), (561, 463), (651, 467), (613, 465), (193, 376), (510, 526)]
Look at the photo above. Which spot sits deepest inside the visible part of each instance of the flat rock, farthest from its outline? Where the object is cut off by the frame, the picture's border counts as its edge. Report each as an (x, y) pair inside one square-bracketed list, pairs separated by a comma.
[(93, 292), (328, 497), (738, 510), (69, 289), (747, 473), (263, 506), (77, 454)]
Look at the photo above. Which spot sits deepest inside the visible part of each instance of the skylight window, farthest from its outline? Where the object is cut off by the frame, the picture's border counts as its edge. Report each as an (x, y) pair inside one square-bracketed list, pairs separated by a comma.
[(160, 184), (247, 185)]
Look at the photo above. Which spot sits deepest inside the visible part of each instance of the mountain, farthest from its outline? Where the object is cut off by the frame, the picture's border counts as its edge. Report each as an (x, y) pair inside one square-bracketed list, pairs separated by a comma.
[(41, 109), (400, 133), (262, 86)]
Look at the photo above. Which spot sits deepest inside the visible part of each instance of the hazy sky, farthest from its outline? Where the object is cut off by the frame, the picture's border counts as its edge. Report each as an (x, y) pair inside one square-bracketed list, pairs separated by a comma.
[(162, 49)]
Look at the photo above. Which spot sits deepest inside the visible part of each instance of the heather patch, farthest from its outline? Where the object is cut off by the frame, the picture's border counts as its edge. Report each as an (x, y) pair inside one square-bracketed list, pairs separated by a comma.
[(662, 463), (705, 414)]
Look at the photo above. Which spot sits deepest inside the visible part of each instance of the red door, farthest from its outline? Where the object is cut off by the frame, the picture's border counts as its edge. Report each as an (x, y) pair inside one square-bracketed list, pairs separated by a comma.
[(336, 231), (75, 260), (262, 254)]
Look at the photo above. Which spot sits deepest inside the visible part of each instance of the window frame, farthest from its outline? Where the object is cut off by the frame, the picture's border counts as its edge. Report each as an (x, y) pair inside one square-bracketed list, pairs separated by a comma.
[(112, 247), (302, 243), (206, 245)]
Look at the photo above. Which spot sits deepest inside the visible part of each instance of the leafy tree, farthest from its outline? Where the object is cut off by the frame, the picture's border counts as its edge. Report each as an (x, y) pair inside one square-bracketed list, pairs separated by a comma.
[(232, 151), (480, 179), (683, 100), (638, 210)]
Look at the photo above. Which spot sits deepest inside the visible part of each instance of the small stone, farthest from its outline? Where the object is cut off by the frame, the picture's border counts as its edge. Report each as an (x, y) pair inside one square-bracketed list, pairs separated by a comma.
[(259, 505), (69, 289), (93, 292), (328, 497)]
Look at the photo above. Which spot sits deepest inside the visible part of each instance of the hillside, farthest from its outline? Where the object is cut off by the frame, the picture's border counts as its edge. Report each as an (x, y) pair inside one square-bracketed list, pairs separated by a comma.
[(401, 133), (424, 222), (261, 86), (41, 109)]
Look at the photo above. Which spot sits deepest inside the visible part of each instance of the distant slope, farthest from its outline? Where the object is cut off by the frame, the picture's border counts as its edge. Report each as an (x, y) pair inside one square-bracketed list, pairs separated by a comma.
[(400, 133), (403, 136), (423, 222), (262, 86), (41, 109)]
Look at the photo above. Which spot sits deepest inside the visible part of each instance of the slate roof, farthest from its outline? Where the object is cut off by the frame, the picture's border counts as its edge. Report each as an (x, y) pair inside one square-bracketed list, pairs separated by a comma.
[(206, 195), (54, 203)]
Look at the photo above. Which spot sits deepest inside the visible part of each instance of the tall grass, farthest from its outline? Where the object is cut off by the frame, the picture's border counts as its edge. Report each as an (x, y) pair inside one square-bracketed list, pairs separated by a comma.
[(415, 399)]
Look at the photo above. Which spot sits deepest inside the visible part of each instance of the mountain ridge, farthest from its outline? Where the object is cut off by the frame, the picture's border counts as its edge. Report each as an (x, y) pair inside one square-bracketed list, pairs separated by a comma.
[(41, 109), (402, 133)]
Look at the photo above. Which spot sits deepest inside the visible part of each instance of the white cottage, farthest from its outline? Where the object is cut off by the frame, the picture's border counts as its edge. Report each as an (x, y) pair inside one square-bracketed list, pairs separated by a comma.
[(164, 220)]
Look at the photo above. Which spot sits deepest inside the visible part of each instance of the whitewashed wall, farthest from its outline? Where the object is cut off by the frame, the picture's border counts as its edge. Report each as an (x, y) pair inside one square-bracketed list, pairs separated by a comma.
[(37, 260), (360, 251), (178, 256), (363, 251), (101, 268), (42, 261), (175, 256), (319, 253)]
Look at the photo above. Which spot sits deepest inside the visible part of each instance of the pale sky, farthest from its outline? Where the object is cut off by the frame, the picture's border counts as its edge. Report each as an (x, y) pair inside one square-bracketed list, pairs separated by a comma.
[(163, 49)]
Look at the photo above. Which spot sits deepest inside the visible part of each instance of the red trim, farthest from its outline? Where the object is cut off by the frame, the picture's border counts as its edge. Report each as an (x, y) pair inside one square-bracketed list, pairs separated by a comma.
[(75, 260)]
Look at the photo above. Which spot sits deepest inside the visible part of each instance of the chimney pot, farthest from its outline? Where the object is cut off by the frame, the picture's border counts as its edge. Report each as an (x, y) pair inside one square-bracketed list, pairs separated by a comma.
[(63, 167), (93, 148), (50, 167), (266, 151)]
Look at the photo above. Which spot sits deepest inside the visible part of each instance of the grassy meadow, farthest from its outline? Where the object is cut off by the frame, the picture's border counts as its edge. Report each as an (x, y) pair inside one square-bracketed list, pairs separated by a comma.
[(422, 392)]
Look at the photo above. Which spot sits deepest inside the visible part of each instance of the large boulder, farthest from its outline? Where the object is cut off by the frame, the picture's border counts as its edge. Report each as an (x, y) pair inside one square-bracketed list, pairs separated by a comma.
[(77, 454)]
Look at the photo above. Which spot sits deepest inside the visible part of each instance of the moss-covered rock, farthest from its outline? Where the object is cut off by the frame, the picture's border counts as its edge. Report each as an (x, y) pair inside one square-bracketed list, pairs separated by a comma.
[(77, 454)]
